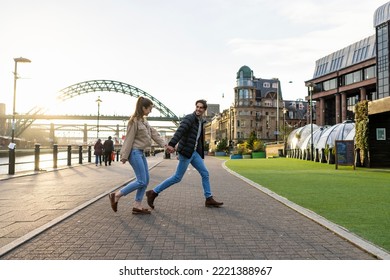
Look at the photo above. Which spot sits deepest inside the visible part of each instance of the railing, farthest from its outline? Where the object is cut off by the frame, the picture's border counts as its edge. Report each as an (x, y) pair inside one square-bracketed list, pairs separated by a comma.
[(69, 150)]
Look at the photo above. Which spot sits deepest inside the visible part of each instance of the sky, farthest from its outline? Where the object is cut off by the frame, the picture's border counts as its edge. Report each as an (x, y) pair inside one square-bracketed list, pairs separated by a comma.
[(177, 51)]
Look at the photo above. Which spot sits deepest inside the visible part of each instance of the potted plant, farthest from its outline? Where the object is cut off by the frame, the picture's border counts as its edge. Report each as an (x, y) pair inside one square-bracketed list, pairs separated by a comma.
[(329, 154), (246, 151), (220, 150), (326, 152), (258, 149), (237, 153)]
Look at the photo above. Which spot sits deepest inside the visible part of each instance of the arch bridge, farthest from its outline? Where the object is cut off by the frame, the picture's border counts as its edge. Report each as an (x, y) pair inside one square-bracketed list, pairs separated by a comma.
[(26, 120)]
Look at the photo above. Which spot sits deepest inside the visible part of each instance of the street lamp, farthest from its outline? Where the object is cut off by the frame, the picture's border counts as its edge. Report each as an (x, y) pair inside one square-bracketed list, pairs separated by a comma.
[(284, 122), (11, 166), (311, 88), (284, 130), (277, 110), (98, 116)]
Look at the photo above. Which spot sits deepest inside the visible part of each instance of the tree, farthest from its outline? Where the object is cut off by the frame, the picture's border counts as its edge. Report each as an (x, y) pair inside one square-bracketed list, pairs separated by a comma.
[(361, 131), (258, 146), (222, 145), (252, 138)]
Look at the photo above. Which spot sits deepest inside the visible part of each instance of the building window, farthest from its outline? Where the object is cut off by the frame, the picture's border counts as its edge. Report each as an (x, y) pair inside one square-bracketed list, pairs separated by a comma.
[(293, 104), (357, 76), (244, 113), (348, 79), (369, 72), (382, 61), (360, 54), (354, 77), (244, 82), (321, 70), (331, 84), (266, 85), (243, 94), (336, 63), (351, 102)]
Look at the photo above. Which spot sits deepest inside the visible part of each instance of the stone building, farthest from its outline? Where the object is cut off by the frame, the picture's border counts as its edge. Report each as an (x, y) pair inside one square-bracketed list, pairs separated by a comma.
[(258, 107)]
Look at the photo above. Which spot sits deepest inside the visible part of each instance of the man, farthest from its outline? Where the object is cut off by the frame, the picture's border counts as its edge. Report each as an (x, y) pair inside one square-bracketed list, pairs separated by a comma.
[(189, 138), (108, 149)]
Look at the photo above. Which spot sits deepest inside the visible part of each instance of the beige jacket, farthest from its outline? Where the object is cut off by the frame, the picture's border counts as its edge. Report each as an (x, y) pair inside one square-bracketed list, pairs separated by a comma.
[(139, 136)]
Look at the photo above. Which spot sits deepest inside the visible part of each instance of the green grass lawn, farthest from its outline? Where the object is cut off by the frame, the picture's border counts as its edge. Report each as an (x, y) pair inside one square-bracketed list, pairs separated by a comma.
[(358, 200)]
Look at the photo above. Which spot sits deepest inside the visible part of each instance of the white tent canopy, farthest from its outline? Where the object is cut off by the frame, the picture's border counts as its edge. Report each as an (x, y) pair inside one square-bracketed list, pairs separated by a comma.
[(300, 138)]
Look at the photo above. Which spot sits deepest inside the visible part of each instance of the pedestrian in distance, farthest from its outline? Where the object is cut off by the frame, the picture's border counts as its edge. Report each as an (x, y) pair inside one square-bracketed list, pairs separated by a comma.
[(189, 138), (98, 151), (139, 137), (108, 149)]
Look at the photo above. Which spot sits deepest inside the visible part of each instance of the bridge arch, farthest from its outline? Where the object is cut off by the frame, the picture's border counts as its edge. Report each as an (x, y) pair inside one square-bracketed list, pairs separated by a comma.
[(115, 86), (94, 86)]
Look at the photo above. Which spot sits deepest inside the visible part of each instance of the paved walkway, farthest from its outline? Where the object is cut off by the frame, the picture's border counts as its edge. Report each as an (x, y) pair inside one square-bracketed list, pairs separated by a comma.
[(65, 214)]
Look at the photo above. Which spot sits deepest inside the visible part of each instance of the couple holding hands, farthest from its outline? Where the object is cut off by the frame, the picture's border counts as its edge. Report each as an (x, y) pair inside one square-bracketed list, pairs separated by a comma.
[(188, 139)]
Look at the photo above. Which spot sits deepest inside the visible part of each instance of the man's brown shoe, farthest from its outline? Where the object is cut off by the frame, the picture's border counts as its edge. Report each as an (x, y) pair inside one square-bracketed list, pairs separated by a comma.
[(151, 195), (141, 211), (210, 202)]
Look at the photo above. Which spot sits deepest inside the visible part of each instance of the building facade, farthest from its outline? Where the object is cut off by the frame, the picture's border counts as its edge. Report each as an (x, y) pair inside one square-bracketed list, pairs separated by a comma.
[(258, 107), (342, 79), (358, 72)]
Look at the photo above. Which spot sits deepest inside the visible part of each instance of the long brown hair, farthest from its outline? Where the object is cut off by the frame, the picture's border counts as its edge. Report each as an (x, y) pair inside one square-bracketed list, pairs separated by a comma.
[(139, 113)]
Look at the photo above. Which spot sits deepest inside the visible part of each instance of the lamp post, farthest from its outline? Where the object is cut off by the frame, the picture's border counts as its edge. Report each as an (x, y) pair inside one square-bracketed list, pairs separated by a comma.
[(11, 165), (311, 88), (98, 116), (284, 123), (124, 129), (284, 130), (277, 110)]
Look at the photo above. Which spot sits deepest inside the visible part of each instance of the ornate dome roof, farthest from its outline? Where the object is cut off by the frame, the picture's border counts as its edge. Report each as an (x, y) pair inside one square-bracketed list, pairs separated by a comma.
[(247, 73)]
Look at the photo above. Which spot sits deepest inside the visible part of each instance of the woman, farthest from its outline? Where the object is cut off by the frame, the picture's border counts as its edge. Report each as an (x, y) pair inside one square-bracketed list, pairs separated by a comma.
[(98, 151), (138, 137)]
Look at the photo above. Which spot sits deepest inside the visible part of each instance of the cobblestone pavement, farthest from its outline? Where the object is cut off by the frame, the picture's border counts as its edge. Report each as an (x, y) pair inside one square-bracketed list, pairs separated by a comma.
[(251, 224)]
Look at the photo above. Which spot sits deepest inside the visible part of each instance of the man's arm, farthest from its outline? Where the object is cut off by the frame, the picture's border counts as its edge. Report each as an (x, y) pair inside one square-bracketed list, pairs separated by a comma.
[(184, 126)]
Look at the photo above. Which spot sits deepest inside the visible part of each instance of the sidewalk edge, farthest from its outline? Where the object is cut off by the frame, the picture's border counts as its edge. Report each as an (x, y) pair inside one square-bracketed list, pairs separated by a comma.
[(21, 240), (342, 232)]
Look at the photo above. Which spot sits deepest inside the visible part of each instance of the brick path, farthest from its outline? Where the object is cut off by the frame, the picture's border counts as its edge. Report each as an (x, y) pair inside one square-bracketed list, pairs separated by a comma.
[(251, 225)]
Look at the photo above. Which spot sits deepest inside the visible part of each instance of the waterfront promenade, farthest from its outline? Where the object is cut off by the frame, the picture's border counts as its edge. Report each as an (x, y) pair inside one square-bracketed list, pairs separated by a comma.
[(65, 214)]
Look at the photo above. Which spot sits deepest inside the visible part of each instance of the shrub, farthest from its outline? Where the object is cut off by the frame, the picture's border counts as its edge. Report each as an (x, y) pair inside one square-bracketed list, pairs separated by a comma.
[(258, 146), (221, 146)]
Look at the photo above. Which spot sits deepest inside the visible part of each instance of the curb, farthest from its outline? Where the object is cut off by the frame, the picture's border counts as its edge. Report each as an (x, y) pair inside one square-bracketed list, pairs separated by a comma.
[(340, 231), (21, 240)]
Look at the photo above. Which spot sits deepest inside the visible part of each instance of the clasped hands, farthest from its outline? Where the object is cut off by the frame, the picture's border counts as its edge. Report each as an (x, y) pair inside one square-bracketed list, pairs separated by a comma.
[(170, 149)]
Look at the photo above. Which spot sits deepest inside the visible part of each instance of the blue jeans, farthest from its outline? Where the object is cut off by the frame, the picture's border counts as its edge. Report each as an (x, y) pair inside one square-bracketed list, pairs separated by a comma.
[(198, 163), (140, 166), (98, 159)]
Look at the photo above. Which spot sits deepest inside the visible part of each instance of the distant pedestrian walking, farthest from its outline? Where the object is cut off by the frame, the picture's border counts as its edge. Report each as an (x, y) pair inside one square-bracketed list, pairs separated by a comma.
[(189, 138), (98, 151), (108, 149), (138, 138)]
